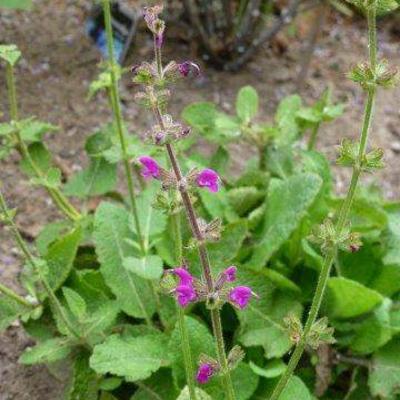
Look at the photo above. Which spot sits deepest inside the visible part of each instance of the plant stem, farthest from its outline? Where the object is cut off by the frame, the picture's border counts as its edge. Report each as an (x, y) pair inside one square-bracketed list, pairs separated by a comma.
[(187, 354), (313, 137), (30, 259), (342, 218), (11, 294), (116, 108), (59, 199)]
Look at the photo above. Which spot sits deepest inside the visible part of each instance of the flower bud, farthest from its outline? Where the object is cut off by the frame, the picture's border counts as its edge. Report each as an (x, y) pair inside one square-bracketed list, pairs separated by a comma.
[(204, 373), (150, 169)]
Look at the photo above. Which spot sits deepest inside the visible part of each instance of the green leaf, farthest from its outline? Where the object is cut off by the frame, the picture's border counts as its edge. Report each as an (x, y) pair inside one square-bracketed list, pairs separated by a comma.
[(243, 199), (159, 386), (111, 229), (200, 116), (374, 332), (391, 238), (33, 130), (41, 157), (49, 234), (16, 4), (201, 342), (84, 383), (10, 311), (247, 104), (152, 222), (9, 52), (348, 299), (273, 369), (295, 389), (100, 322), (47, 352), (244, 384), (98, 178), (60, 257), (134, 358), (384, 377), (286, 119), (200, 394), (287, 204), (149, 267), (75, 303), (261, 323)]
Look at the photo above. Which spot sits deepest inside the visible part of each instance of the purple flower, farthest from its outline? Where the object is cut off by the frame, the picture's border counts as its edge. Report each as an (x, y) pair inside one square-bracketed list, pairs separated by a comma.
[(240, 296), (204, 373), (150, 167), (185, 294), (230, 273), (188, 67), (184, 276), (208, 178)]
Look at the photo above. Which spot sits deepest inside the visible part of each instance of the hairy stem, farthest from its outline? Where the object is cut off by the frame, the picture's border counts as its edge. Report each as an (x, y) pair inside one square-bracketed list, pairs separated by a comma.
[(116, 108), (185, 341), (12, 295), (59, 199), (31, 260), (342, 218)]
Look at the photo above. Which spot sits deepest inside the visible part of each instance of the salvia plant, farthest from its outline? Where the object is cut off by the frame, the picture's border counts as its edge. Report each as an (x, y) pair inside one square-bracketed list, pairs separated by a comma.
[(202, 284)]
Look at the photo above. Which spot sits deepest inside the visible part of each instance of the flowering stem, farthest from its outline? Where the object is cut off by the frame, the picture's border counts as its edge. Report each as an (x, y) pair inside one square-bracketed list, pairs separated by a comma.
[(203, 254), (59, 199), (313, 137), (187, 354), (24, 248), (342, 218), (116, 106)]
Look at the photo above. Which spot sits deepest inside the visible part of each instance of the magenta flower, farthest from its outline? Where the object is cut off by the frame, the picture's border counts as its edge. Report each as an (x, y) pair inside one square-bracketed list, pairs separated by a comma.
[(185, 278), (208, 178), (240, 296), (230, 273), (204, 373), (150, 169), (188, 67), (185, 294)]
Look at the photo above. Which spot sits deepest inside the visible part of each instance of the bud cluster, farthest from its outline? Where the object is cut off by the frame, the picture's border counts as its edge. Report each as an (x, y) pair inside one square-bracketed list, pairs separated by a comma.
[(384, 75), (328, 237), (349, 157)]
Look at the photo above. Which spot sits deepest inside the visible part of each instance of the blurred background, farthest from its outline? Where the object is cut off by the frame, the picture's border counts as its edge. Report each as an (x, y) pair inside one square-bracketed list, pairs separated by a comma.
[(279, 47)]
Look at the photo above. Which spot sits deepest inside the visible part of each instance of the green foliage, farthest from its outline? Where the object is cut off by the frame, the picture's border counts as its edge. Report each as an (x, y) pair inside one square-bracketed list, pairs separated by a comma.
[(134, 358), (111, 231), (16, 4), (93, 274)]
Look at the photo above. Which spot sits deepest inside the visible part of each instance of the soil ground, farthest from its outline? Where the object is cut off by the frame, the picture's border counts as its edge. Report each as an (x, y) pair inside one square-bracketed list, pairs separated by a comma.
[(58, 64)]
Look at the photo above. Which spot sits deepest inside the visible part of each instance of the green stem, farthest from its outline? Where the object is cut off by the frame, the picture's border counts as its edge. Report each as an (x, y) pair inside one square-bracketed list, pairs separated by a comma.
[(59, 199), (313, 137), (116, 107), (341, 221), (30, 259), (186, 351), (226, 376), (10, 293)]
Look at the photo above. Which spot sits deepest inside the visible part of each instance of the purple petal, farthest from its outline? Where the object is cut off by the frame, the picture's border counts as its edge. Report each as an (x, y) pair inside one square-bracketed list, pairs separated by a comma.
[(204, 373), (208, 178), (185, 294), (240, 296), (230, 273), (189, 67), (184, 276), (150, 169)]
